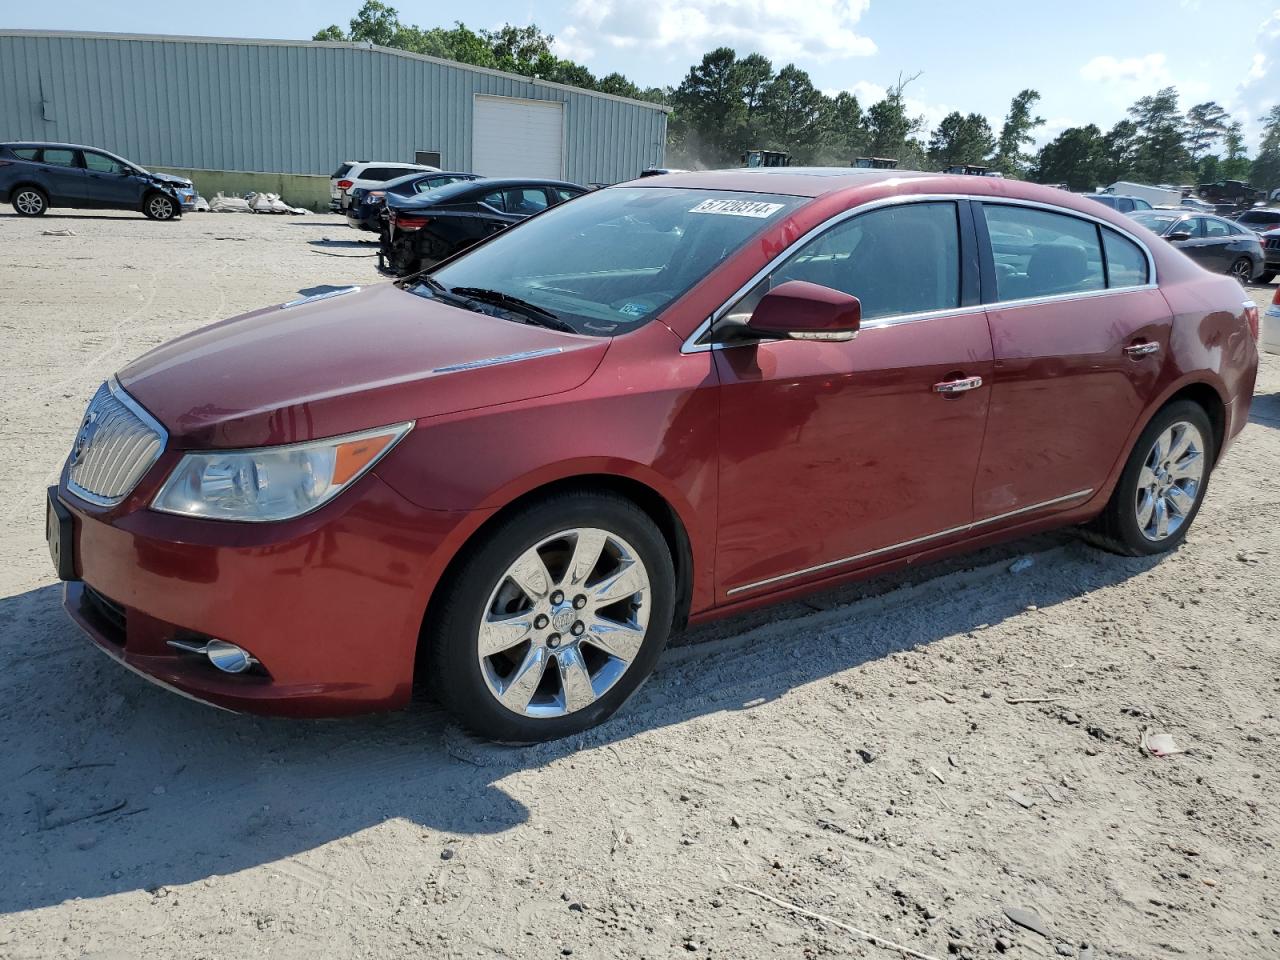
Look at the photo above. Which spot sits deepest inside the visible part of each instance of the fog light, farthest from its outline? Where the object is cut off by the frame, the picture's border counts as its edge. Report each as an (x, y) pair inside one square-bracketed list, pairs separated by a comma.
[(227, 657)]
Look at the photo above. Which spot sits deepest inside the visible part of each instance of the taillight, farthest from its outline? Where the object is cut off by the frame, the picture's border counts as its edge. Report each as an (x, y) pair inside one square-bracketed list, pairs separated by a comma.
[(1251, 314), (345, 184), (405, 221)]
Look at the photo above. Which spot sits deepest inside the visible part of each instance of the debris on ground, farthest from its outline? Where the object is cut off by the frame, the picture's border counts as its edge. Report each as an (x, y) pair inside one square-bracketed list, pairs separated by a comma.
[(57, 233), (222, 204), (1029, 919), (1021, 564), (1160, 744)]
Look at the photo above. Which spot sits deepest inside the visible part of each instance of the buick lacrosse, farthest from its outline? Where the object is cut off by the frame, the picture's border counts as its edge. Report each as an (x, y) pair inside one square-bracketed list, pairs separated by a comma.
[(513, 477)]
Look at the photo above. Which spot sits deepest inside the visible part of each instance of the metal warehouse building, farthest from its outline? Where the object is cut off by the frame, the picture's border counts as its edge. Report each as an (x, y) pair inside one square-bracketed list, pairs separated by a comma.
[(226, 111)]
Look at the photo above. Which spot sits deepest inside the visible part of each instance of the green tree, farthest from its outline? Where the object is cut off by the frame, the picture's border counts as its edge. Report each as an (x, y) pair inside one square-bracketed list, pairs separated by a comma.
[(525, 50), (1010, 157), (1235, 162), (1205, 124), (331, 32), (793, 113), (619, 86), (844, 129), (375, 23), (1161, 149), (960, 139), (890, 128), (1266, 166), (753, 74), (1119, 153), (709, 109), (1073, 157)]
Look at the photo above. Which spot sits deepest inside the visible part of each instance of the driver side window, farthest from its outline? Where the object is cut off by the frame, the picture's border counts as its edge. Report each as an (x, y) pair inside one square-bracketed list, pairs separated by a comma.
[(100, 163), (897, 260)]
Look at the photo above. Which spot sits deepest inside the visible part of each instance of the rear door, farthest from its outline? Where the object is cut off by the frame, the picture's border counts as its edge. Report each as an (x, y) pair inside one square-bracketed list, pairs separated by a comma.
[(1079, 332), (65, 175), (836, 456)]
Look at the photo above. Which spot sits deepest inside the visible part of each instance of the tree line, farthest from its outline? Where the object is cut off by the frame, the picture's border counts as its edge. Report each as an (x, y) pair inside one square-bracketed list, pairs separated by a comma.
[(727, 104)]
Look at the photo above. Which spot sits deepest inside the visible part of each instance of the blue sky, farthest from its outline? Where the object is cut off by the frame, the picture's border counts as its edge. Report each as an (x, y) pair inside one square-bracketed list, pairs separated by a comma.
[(1089, 59)]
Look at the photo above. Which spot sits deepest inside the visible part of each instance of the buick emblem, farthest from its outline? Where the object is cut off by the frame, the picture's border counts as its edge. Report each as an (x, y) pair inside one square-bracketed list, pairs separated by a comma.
[(85, 437)]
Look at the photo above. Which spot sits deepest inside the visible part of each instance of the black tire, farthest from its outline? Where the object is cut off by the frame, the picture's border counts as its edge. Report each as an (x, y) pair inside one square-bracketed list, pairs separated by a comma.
[(1117, 528), (160, 206), (29, 201), (1242, 270), (452, 664), (1267, 277)]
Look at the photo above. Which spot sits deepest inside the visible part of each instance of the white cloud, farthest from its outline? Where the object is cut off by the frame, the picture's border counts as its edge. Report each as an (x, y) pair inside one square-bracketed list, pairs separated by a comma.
[(1147, 73), (816, 30)]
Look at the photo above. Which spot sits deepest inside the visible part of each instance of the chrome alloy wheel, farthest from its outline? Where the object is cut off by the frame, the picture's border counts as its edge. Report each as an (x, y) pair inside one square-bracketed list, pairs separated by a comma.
[(1242, 270), (29, 202), (160, 207), (564, 623), (1170, 481)]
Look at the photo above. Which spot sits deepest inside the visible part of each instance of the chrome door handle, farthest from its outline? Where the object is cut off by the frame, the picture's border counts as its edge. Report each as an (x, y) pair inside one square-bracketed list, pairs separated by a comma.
[(948, 387), (1136, 351)]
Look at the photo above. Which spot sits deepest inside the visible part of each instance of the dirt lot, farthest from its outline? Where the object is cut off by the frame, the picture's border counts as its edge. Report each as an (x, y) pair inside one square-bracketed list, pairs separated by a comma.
[(908, 758)]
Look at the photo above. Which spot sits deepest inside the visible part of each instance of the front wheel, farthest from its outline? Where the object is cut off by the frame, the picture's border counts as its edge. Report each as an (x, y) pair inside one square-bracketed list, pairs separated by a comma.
[(552, 620), (160, 206), (1162, 486), (1242, 270)]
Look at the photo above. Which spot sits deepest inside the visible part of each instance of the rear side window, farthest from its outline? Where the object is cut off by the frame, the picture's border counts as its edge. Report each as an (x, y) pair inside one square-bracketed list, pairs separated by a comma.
[(1216, 228), (381, 174), (1126, 263), (1042, 254), (342, 171), (25, 153), (901, 259), (1124, 204), (59, 158), (495, 200), (560, 194), (526, 201)]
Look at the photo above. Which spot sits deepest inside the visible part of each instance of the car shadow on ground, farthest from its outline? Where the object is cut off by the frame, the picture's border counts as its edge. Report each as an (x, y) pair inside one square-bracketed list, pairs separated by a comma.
[(111, 784), (1265, 410), (327, 242)]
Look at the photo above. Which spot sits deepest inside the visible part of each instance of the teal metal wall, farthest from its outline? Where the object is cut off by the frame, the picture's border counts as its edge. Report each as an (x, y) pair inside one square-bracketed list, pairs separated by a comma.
[(288, 106)]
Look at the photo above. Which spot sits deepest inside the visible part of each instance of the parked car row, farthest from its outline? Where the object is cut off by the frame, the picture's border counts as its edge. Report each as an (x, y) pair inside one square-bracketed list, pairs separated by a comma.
[(1215, 243), (35, 177)]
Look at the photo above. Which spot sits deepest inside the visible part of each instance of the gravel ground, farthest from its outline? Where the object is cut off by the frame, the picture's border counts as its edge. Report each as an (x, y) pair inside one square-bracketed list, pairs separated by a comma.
[(907, 758)]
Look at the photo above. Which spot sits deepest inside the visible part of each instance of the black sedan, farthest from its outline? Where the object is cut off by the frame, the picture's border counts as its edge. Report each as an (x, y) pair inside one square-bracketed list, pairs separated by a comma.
[(1216, 244), (427, 228), (367, 204)]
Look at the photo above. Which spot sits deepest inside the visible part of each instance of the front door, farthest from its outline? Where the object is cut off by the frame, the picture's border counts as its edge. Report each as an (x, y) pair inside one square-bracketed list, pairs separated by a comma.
[(835, 456), (1080, 334), (110, 184)]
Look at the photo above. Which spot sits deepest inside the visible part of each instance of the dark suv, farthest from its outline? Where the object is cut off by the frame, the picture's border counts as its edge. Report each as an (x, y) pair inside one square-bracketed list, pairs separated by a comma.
[(37, 176)]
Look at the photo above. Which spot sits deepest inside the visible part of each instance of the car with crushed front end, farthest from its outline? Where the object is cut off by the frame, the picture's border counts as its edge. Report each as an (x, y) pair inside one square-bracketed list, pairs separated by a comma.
[(675, 399), (429, 227), (37, 176)]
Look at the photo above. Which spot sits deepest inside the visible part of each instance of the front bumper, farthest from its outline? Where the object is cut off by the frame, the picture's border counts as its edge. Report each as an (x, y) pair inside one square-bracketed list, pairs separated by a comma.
[(331, 604)]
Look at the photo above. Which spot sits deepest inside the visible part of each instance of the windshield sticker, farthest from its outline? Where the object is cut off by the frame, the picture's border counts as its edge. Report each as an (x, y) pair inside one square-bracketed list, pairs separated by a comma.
[(738, 208), (634, 309)]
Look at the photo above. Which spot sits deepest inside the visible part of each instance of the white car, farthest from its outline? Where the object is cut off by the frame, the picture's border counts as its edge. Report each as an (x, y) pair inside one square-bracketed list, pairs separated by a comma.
[(366, 173)]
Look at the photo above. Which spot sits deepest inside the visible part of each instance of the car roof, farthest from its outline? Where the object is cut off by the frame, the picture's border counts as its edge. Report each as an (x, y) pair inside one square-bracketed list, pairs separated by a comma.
[(428, 174), (789, 181), (55, 144), (451, 190)]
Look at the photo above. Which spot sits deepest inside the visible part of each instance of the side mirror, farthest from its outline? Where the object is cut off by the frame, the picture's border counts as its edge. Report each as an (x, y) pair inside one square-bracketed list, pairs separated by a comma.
[(1178, 237), (799, 310)]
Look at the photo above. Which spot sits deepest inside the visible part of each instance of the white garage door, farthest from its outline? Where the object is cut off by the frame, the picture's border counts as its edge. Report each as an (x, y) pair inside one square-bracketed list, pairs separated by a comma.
[(518, 138)]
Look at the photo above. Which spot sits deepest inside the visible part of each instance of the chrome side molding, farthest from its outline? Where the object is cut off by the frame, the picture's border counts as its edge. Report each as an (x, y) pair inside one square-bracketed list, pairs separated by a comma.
[(327, 295), (495, 361)]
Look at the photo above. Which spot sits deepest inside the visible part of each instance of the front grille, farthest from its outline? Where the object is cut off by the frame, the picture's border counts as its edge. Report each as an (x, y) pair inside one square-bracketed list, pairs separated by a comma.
[(110, 615), (117, 443)]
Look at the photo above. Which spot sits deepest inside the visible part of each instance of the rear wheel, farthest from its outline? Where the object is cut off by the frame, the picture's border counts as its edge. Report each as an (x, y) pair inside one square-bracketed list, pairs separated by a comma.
[(554, 619), (1242, 270), (160, 206), (30, 202), (1162, 486)]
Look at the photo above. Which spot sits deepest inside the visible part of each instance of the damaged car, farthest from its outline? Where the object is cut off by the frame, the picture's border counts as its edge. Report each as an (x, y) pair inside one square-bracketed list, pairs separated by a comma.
[(426, 228), (37, 176)]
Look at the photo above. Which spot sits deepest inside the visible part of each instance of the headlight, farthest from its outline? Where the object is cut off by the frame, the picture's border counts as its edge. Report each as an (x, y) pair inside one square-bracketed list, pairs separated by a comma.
[(272, 483)]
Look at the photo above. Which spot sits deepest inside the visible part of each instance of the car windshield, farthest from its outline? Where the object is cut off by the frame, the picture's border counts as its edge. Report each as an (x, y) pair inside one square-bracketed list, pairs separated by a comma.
[(1156, 222), (610, 261)]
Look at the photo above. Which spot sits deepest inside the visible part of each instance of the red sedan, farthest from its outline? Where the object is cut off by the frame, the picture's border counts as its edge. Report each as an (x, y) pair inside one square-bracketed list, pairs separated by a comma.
[(658, 403)]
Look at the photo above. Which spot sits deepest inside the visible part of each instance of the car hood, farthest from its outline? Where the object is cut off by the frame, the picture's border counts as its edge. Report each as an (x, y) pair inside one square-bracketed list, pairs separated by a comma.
[(352, 362), (170, 178)]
